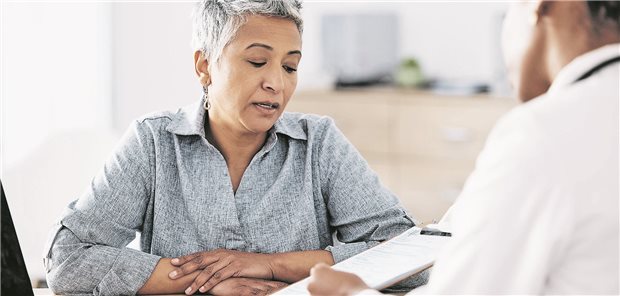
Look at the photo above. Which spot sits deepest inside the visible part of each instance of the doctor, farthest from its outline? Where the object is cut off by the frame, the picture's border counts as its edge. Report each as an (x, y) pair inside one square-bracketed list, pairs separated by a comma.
[(539, 214)]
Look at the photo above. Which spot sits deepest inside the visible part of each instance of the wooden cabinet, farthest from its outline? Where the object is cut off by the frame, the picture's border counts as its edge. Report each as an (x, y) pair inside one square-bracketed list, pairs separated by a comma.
[(423, 146)]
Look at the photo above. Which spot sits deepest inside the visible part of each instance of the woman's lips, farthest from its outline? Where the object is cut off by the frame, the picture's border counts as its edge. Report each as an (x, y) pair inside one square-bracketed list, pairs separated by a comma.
[(267, 108), (267, 105)]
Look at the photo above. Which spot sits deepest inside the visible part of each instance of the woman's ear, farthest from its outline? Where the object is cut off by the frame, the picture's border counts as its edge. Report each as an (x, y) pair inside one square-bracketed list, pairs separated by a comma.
[(201, 66)]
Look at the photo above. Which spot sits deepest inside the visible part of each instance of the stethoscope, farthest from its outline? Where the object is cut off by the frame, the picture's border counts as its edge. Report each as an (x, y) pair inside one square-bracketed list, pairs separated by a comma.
[(598, 68)]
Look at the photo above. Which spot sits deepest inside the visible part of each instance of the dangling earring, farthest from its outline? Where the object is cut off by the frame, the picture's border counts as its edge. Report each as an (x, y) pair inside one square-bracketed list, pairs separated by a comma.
[(207, 103)]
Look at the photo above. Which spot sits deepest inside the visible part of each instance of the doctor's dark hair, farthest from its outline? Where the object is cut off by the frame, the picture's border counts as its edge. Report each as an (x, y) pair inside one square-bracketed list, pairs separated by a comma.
[(216, 22), (605, 10)]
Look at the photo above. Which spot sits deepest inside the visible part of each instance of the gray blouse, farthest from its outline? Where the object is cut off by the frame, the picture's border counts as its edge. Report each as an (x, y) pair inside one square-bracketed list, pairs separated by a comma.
[(166, 181)]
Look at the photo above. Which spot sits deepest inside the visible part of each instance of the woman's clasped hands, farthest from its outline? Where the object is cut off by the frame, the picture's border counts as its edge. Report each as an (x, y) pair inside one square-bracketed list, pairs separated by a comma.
[(227, 272)]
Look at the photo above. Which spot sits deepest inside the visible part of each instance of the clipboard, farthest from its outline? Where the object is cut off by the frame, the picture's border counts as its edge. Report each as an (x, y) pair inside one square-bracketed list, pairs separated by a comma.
[(380, 267)]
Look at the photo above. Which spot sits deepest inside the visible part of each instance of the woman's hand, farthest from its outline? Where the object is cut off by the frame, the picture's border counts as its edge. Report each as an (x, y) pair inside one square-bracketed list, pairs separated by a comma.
[(246, 286), (326, 281), (219, 265)]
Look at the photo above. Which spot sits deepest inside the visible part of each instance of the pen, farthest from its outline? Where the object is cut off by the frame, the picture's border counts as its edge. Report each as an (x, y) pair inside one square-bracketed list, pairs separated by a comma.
[(430, 231)]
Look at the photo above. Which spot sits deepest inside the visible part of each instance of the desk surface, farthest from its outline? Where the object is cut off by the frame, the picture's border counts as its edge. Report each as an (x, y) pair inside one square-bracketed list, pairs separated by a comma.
[(48, 292), (42, 292)]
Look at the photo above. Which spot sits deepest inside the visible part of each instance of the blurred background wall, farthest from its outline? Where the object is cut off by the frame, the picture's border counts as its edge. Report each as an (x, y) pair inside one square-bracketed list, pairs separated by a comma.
[(74, 75)]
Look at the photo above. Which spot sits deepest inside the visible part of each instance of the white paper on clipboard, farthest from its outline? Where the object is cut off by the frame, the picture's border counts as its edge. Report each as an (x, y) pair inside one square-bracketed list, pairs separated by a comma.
[(388, 263)]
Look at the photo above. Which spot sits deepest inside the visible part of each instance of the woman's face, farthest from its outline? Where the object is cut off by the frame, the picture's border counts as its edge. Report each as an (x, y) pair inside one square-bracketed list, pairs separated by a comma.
[(256, 75)]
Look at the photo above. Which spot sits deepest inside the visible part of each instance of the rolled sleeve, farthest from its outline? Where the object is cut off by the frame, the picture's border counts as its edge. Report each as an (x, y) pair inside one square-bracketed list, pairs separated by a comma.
[(78, 267), (87, 252), (128, 274)]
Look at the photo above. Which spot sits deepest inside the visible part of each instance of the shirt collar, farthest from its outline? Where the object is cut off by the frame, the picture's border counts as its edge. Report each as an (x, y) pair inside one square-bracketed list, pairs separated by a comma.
[(189, 120), (290, 126), (582, 64)]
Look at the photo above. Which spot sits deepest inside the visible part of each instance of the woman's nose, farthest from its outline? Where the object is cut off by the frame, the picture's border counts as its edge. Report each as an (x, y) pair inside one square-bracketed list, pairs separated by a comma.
[(274, 80)]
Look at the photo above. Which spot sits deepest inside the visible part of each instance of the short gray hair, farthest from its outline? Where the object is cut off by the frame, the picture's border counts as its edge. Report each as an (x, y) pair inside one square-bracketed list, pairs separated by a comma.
[(217, 21)]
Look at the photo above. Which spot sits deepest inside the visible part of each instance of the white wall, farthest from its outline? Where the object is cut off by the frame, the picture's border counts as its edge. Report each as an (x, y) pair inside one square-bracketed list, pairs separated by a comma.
[(55, 72), (55, 94), (75, 74), (153, 59)]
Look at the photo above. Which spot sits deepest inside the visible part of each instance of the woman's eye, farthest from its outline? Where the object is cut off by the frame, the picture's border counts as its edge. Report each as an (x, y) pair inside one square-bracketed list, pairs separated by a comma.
[(257, 64), (289, 69)]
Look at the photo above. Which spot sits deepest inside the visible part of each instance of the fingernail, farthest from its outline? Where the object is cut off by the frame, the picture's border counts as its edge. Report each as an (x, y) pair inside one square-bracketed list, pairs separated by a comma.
[(188, 290), (174, 261), (173, 274), (203, 289)]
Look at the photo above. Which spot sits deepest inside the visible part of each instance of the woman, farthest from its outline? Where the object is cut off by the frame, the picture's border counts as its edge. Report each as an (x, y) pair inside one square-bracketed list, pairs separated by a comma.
[(230, 194)]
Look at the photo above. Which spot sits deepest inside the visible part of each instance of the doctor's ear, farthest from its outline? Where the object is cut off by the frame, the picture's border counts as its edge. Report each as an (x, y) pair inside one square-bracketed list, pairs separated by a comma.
[(541, 9), (201, 66)]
